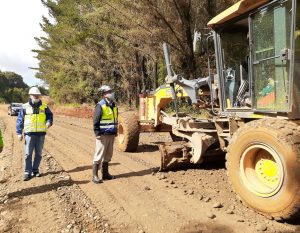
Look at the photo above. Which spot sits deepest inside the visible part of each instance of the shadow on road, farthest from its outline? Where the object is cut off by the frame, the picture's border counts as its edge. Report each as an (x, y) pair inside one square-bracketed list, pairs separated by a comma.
[(205, 228), (52, 172), (294, 221), (215, 164), (44, 188), (147, 148), (88, 167), (138, 173)]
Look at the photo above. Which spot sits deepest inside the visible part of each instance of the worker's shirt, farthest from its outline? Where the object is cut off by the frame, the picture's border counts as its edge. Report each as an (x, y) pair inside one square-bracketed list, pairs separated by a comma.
[(105, 118), (35, 108)]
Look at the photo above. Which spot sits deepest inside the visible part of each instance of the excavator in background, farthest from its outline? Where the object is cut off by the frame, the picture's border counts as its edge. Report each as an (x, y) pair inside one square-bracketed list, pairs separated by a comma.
[(254, 101)]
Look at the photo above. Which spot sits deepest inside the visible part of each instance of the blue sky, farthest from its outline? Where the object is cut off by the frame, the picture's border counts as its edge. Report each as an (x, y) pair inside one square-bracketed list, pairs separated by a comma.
[(19, 24)]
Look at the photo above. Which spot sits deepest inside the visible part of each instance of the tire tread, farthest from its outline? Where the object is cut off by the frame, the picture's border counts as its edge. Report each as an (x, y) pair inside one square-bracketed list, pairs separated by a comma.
[(131, 132)]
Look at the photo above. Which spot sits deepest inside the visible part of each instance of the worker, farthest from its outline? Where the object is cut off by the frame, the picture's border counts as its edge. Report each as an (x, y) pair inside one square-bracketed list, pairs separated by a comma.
[(1, 142), (34, 118), (105, 128)]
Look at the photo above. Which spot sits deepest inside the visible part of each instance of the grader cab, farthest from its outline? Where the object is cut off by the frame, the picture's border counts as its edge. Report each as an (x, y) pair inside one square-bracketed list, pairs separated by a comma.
[(254, 100)]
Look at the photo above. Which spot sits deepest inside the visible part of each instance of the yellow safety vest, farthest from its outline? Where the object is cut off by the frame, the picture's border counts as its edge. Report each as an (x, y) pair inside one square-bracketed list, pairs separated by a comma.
[(34, 123), (109, 120)]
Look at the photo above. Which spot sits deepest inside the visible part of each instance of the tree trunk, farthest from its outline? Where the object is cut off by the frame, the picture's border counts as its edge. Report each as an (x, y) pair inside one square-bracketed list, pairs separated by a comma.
[(143, 73), (155, 76), (211, 8)]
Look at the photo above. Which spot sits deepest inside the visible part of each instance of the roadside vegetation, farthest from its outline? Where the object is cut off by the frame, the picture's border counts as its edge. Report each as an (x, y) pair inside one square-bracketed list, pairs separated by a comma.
[(12, 88)]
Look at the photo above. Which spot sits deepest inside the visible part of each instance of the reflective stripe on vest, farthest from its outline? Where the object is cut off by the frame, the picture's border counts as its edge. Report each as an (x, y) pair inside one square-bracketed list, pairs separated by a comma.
[(109, 120), (34, 123)]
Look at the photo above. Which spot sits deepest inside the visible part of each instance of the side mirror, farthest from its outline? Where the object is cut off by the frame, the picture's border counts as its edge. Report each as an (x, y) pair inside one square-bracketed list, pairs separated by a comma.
[(197, 42)]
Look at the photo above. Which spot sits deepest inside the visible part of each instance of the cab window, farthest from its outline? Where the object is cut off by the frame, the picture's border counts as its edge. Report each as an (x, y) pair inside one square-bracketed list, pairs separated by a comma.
[(235, 61), (271, 54)]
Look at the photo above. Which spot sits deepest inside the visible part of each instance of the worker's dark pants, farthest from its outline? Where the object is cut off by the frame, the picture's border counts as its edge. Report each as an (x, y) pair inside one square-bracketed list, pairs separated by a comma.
[(36, 143)]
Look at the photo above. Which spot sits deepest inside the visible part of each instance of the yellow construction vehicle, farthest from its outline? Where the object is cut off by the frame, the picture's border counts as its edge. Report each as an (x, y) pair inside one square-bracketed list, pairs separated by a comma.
[(254, 100)]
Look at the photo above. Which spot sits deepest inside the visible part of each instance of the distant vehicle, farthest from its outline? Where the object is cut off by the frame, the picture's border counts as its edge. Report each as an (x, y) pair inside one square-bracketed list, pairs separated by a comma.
[(14, 108)]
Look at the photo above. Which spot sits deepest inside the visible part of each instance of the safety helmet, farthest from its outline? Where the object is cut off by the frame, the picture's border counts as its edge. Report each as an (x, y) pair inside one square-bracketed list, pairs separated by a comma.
[(34, 91), (104, 89)]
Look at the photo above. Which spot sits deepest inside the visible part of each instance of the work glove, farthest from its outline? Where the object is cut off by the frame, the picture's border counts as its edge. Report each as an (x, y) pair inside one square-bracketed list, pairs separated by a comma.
[(20, 137), (48, 125)]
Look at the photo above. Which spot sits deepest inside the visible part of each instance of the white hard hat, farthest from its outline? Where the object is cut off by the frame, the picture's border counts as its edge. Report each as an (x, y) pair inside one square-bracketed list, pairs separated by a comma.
[(34, 91), (104, 89)]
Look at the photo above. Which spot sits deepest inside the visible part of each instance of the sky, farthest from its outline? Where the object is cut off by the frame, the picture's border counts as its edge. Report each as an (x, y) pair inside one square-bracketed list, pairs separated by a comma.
[(19, 24)]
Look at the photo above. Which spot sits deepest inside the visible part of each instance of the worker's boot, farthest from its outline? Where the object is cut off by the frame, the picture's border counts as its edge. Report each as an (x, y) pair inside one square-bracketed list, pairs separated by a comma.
[(96, 178), (105, 173)]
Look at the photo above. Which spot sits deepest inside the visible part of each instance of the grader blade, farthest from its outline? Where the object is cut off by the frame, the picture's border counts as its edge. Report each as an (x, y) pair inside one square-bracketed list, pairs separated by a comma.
[(173, 155)]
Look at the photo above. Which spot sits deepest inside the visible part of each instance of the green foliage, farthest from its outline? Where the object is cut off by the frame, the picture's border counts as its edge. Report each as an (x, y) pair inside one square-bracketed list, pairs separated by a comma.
[(43, 91), (119, 43), (12, 88)]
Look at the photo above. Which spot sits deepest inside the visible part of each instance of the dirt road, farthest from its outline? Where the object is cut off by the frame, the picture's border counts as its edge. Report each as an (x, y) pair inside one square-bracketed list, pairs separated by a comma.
[(64, 199)]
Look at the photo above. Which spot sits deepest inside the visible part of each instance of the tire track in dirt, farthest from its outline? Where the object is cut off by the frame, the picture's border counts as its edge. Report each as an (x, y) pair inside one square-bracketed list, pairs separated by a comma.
[(80, 170), (42, 204), (136, 201), (184, 212), (170, 202), (85, 132)]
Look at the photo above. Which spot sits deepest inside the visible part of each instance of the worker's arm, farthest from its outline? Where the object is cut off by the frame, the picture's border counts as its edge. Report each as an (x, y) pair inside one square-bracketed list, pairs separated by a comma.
[(20, 122), (49, 116), (97, 118)]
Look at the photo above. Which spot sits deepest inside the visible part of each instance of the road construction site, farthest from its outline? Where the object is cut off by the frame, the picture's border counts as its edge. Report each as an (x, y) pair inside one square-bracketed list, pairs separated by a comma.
[(198, 198)]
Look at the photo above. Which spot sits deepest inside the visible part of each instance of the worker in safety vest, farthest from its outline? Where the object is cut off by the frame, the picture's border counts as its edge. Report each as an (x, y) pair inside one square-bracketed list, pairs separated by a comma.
[(1, 142), (34, 119), (105, 128)]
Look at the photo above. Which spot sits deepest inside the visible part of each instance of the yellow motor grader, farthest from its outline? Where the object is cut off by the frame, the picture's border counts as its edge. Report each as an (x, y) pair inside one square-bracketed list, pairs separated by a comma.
[(254, 100)]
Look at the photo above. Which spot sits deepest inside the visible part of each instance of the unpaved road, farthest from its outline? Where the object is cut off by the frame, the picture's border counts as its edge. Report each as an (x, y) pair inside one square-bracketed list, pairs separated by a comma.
[(139, 200)]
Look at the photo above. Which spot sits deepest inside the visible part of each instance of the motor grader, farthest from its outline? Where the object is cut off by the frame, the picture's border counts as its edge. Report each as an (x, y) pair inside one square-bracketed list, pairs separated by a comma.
[(254, 100)]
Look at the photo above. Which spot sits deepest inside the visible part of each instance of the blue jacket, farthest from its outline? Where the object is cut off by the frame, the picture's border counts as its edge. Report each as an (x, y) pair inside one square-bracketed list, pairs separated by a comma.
[(20, 120), (97, 117)]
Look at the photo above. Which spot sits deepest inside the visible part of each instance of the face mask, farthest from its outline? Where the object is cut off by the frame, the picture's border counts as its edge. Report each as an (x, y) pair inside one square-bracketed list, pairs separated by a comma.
[(110, 96), (35, 101)]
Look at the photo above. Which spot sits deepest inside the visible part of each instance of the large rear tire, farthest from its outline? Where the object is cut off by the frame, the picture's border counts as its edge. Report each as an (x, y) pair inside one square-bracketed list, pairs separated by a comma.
[(128, 132), (263, 164)]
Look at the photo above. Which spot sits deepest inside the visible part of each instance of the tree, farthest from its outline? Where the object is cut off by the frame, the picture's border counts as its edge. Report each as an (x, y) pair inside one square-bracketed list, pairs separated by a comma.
[(12, 87), (119, 43)]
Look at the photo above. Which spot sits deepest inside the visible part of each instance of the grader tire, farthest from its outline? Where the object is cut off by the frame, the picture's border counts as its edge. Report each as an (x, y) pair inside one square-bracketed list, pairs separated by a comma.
[(263, 165), (128, 132)]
